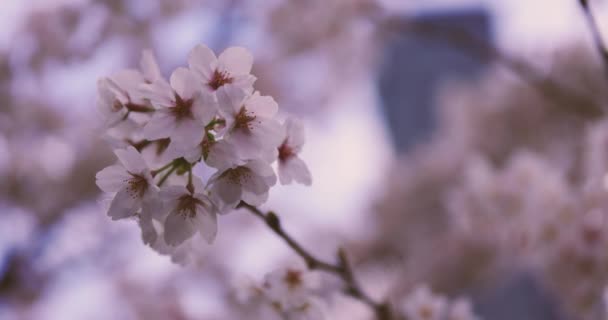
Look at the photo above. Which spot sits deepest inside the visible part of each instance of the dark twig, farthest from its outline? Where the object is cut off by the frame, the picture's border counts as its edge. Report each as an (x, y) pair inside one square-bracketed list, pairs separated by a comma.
[(343, 269), (595, 32)]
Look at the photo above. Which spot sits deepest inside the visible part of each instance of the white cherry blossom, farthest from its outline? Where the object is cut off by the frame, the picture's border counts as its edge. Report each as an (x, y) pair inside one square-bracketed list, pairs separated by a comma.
[(422, 304), (183, 109), (189, 212), (233, 66), (132, 182), (290, 292), (291, 167), (250, 123), (461, 309), (249, 182)]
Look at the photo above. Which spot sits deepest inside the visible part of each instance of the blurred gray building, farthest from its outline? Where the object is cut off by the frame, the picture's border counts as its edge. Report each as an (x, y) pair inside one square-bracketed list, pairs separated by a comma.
[(430, 49)]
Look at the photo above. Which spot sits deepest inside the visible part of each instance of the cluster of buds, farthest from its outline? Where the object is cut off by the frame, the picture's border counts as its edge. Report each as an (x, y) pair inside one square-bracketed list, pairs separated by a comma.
[(207, 115), (423, 304), (288, 293)]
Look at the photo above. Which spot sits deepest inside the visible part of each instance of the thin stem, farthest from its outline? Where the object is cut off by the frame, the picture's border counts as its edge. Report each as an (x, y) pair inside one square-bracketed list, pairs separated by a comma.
[(190, 185), (595, 32), (166, 176), (161, 169), (343, 269)]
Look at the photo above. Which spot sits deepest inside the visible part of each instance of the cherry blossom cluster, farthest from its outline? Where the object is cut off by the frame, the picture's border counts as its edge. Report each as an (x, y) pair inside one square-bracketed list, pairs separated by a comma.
[(287, 293), (423, 304), (206, 116)]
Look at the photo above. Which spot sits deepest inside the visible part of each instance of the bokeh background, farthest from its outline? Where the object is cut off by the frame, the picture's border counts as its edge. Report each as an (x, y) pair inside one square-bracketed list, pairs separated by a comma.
[(461, 144)]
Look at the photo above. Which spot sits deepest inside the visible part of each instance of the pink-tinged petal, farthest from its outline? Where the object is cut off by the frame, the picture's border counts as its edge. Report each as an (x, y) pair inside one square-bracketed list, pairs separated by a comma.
[(160, 126), (149, 66), (261, 106), (255, 184), (124, 205), (184, 83), (236, 60), (206, 223), (127, 79), (222, 155), (295, 133), (294, 169), (132, 160), (112, 178), (228, 193), (202, 60), (255, 199), (204, 107), (188, 133), (230, 99), (245, 82), (159, 93), (172, 193), (178, 229), (154, 207), (148, 233)]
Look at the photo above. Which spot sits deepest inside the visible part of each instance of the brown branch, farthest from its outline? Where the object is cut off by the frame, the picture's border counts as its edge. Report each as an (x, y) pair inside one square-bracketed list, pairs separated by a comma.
[(595, 33), (343, 269)]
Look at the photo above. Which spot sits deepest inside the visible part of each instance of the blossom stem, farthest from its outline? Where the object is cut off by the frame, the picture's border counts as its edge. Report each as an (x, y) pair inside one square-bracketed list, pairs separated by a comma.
[(161, 169), (343, 269), (190, 185), (166, 176)]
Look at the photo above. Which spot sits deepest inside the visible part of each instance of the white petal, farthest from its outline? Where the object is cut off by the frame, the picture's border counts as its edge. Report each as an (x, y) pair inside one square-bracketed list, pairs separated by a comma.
[(127, 79), (159, 93), (160, 126), (202, 60), (184, 83), (255, 199), (228, 193), (148, 232), (222, 155), (230, 99), (124, 205), (172, 193), (206, 223), (188, 133), (236, 60), (178, 229), (295, 133), (294, 168), (261, 106), (149, 66), (132, 160), (204, 107), (111, 178)]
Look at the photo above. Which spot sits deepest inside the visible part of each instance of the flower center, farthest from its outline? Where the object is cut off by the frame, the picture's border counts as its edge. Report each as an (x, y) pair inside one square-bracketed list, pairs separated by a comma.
[(182, 108), (293, 279), (285, 152), (137, 186), (237, 175), (219, 78), (426, 312), (243, 119), (186, 206)]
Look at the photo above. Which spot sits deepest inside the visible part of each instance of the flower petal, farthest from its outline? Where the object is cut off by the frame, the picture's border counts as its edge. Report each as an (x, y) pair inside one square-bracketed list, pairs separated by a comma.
[(149, 66), (202, 60), (178, 229), (184, 83), (112, 178), (236, 60), (132, 160), (206, 223), (160, 126), (188, 133), (123, 205), (261, 106)]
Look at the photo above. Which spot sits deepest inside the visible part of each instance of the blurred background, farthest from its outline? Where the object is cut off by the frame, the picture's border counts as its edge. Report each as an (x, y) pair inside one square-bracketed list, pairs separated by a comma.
[(458, 143)]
